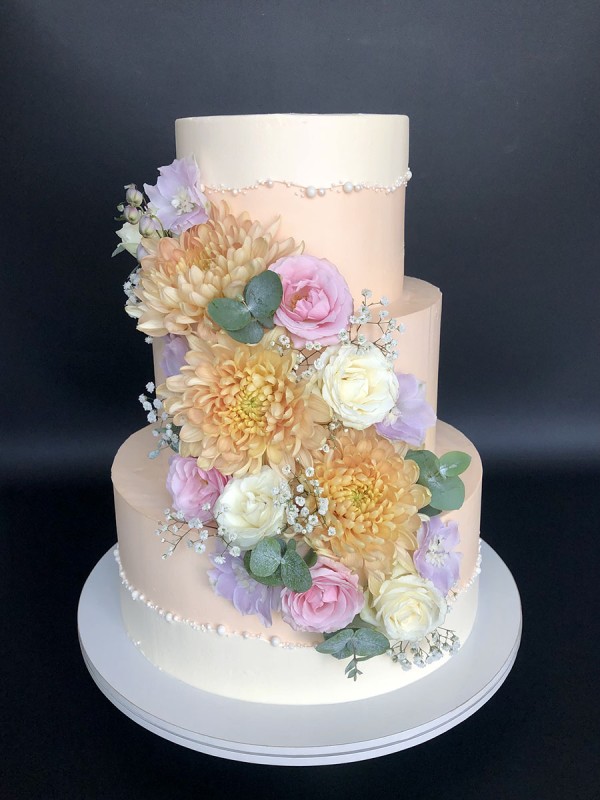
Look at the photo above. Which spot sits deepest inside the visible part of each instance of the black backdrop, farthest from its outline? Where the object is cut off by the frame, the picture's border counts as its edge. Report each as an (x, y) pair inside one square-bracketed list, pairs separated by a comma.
[(502, 214)]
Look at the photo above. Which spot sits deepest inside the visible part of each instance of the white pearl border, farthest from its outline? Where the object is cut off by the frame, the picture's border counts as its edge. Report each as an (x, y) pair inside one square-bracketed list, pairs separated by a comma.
[(222, 630), (204, 627), (346, 187)]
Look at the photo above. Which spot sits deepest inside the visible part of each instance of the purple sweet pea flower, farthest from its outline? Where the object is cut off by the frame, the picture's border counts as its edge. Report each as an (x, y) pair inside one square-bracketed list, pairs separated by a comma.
[(173, 357), (176, 199), (434, 557), (231, 581), (411, 416)]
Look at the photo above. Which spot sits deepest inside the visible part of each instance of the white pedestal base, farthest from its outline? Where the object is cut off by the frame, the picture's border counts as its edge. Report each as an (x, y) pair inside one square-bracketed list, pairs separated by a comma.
[(301, 735)]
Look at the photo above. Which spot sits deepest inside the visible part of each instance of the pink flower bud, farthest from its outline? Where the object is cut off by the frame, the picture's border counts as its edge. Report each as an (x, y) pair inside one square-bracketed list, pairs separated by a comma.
[(133, 196), (132, 214), (148, 226)]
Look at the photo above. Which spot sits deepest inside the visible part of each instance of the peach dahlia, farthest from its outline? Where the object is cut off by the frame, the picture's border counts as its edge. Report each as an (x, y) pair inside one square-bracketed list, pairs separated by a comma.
[(180, 276), (240, 406), (374, 501)]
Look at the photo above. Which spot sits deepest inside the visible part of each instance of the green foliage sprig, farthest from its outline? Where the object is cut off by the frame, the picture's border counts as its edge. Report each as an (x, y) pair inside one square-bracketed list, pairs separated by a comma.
[(245, 319), (440, 476), (276, 562), (359, 641)]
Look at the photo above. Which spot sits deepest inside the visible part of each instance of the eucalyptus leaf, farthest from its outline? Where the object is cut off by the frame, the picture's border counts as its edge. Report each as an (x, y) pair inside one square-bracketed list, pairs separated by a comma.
[(265, 558), (291, 545), (427, 462), (430, 511), (369, 643), (347, 652), (352, 670), (294, 572), (231, 315), (448, 494), (269, 580), (251, 334), (336, 643), (358, 622), (454, 463), (263, 294), (310, 558)]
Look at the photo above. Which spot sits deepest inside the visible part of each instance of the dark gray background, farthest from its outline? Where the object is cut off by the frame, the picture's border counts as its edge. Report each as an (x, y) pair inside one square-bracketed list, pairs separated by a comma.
[(502, 212)]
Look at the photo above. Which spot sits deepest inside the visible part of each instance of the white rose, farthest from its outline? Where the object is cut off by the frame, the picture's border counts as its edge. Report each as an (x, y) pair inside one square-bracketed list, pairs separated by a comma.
[(246, 508), (359, 385), (130, 237), (404, 607)]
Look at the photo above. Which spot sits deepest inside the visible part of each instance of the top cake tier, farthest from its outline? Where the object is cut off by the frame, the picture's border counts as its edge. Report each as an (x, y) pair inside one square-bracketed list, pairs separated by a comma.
[(337, 182)]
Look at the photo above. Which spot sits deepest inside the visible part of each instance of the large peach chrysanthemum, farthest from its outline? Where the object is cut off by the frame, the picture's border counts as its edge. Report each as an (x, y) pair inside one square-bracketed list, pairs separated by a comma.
[(373, 502), (240, 406), (180, 276)]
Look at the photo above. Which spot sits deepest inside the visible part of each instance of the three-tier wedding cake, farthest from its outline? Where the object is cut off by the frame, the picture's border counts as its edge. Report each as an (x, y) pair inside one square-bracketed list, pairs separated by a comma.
[(294, 524)]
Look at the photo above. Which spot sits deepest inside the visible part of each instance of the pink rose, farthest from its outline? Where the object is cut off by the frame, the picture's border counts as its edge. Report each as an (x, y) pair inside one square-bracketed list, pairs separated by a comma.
[(316, 300), (331, 603), (192, 488)]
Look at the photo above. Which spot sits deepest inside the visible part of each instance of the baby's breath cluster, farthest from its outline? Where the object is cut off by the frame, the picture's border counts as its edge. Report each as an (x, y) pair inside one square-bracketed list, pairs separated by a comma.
[(305, 506), (334, 429), (175, 528), (130, 285), (373, 313), (166, 433), (308, 361), (428, 650), (229, 537)]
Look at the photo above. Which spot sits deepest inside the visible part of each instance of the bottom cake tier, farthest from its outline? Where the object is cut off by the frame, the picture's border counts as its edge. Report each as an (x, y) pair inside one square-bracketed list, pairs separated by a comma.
[(174, 617)]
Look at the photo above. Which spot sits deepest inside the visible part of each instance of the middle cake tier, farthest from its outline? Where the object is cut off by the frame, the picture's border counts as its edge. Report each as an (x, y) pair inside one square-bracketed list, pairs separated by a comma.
[(418, 312)]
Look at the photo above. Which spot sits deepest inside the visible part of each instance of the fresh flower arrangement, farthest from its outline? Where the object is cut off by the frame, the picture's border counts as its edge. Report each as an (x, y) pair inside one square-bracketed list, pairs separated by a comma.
[(297, 448)]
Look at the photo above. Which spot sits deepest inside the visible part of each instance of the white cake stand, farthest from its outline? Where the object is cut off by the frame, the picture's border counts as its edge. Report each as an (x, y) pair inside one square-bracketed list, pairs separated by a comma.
[(301, 735)]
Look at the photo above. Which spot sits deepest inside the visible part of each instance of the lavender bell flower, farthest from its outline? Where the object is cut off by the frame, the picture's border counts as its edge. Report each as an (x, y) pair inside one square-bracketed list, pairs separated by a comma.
[(411, 416), (173, 357), (231, 581), (176, 199), (435, 557)]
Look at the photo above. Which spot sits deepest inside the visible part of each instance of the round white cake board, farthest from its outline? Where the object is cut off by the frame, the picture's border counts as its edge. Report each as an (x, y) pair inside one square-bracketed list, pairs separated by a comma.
[(301, 735)]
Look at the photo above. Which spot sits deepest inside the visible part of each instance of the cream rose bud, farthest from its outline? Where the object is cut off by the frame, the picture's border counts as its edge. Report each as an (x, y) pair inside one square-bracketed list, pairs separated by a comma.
[(247, 508), (130, 237), (359, 385), (404, 607)]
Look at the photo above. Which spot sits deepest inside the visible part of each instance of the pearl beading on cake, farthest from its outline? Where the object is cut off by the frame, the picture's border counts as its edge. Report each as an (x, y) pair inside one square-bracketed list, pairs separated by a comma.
[(470, 582), (203, 627), (222, 630), (346, 187)]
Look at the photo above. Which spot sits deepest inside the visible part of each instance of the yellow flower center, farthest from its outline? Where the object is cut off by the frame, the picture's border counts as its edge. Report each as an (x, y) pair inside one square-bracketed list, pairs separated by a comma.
[(363, 495), (250, 405), (247, 409)]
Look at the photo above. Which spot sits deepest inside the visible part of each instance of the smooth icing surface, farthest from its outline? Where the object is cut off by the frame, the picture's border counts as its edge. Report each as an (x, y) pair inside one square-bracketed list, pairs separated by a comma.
[(304, 149), (361, 232), (261, 671)]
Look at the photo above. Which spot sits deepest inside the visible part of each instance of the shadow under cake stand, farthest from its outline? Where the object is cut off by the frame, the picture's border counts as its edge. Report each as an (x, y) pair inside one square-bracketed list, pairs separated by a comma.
[(301, 735)]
